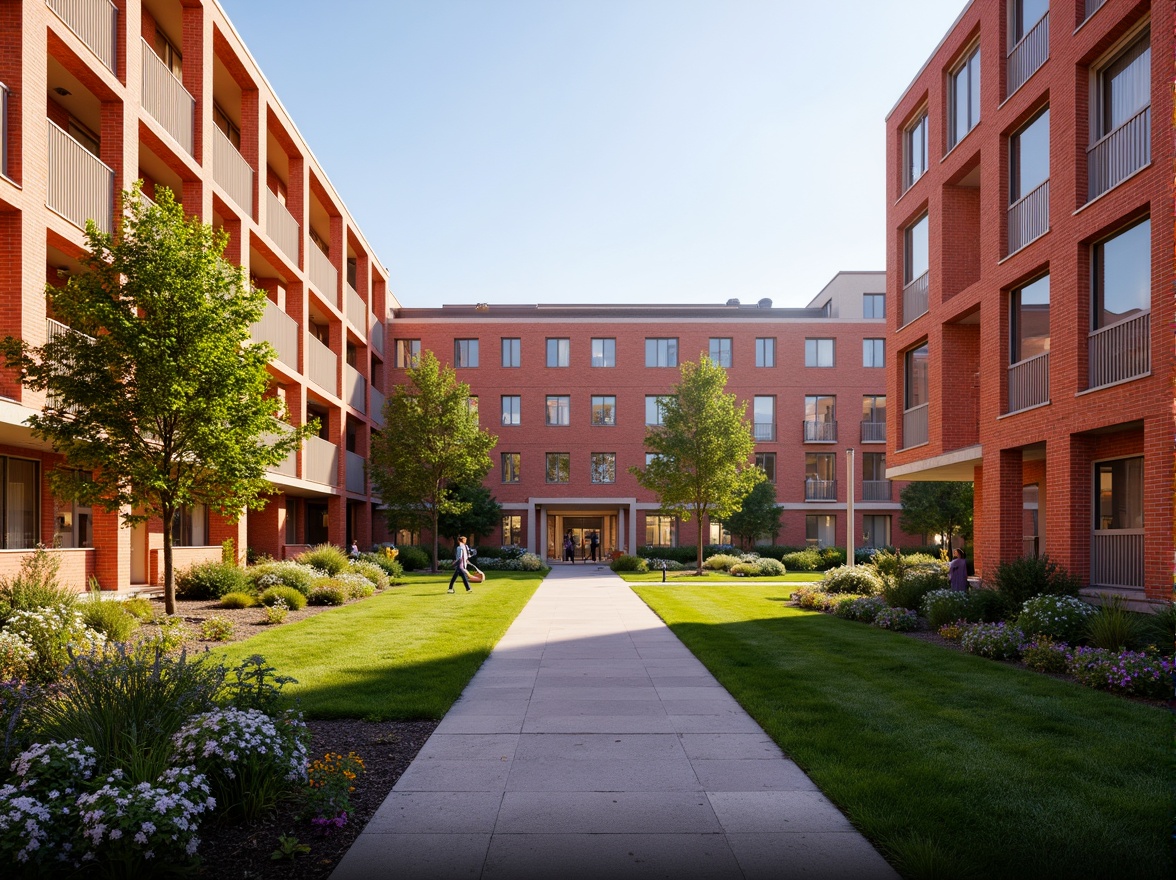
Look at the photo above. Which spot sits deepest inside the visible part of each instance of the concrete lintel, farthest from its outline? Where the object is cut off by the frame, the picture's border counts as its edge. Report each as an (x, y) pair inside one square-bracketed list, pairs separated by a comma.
[(959, 465)]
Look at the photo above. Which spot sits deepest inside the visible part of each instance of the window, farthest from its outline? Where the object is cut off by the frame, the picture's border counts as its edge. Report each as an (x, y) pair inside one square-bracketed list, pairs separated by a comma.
[(604, 352), (512, 409), (914, 143), (1026, 13), (650, 457), (719, 534), (818, 352), (604, 410), (465, 352), (559, 466), (873, 352), (964, 98), (661, 352), (820, 530), (764, 417), (512, 530), (766, 462), (874, 305), (72, 522), (291, 520), (654, 409), (190, 526), (472, 409), (1029, 320), (1119, 489), (21, 503), (1029, 158), (720, 351), (820, 476), (84, 136), (1124, 87), (171, 56), (916, 257), (222, 121), (916, 377), (559, 352), (659, 530), (875, 530), (559, 409), (1122, 275), (511, 466), (820, 418), (512, 352), (765, 352), (873, 467), (603, 467), (874, 408)]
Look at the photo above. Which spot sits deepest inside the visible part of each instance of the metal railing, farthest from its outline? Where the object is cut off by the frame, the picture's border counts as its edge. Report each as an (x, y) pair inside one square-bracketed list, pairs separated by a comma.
[(914, 426), (1029, 382), (820, 432), (1093, 6), (81, 186), (1121, 351), (288, 467), (376, 335), (377, 401), (820, 490), (324, 366), (166, 99), (232, 171), (55, 330), (873, 432), (1116, 558), (281, 226), (875, 490), (1028, 55), (354, 388), (356, 309), (354, 475), (323, 275), (765, 431), (1029, 217), (914, 299), (1119, 154), (96, 24), (279, 330), (320, 462)]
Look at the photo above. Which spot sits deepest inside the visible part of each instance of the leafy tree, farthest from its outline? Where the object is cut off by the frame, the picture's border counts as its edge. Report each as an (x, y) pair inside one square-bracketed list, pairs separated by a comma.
[(158, 400), (481, 518), (759, 517), (701, 450), (432, 446), (932, 508)]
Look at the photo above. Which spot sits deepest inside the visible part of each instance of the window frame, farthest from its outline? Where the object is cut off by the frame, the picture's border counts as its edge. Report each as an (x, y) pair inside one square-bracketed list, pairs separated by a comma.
[(872, 299), (1017, 188), (512, 527), (917, 129), (600, 401), (970, 55), (559, 350), (725, 344), (1101, 121), (608, 352), (515, 412), (765, 352), (1017, 321), (657, 346), (813, 354), (466, 355), (910, 373), (31, 539), (599, 460), (406, 354), (512, 352), (908, 249), (1097, 269), (766, 462), (562, 407), (660, 525), (564, 458), (873, 349), (512, 466), (658, 409)]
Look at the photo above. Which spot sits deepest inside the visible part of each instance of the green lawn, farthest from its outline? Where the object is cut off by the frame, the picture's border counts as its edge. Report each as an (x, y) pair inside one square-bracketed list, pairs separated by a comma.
[(953, 765), (406, 653), (689, 577)]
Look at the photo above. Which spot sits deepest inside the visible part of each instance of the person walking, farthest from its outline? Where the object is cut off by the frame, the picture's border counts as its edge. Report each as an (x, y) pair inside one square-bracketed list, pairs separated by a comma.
[(569, 549), (354, 550), (594, 544), (461, 563), (957, 571)]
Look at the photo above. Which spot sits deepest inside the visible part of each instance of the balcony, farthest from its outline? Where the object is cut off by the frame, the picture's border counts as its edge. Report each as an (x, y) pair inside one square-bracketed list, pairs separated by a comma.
[(287, 467), (166, 99), (1029, 218), (376, 335), (914, 426), (765, 431), (1093, 6), (96, 24), (875, 490), (1119, 154), (820, 490), (356, 309), (1029, 54), (231, 172), (81, 186), (377, 411), (324, 276), (279, 330), (324, 366), (355, 478), (354, 388), (320, 462), (1121, 351), (55, 330), (1029, 382), (873, 432), (281, 226), (820, 432), (914, 299), (1116, 558)]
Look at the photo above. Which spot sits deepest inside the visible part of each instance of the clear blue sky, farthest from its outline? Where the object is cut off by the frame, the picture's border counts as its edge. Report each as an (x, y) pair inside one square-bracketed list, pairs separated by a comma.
[(601, 150)]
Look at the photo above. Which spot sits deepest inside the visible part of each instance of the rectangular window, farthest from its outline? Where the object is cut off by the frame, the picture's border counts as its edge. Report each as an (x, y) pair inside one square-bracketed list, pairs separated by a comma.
[(766, 462), (820, 417), (408, 353), (22, 496), (916, 377), (1119, 488), (1124, 87), (875, 530), (1029, 320), (559, 466), (511, 466), (914, 142), (512, 530), (603, 467), (559, 409), (916, 257), (818, 352), (604, 352), (1121, 267), (512, 409), (764, 418), (604, 410), (72, 522), (765, 351), (190, 526), (661, 352), (873, 352), (874, 305), (472, 408), (659, 530), (654, 409), (229, 128), (719, 536), (512, 352), (874, 408), (1026, 13), (873, 466), (171, 56), (1029, 158), (820, 530), (820, 468), (720, 351), (291, 520), (559, 352), (964, 98), (465, 352)]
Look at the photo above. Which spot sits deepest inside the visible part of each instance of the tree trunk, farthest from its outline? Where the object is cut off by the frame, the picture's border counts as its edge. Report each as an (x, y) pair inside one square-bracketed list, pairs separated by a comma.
[(169, 576), (436, 560), (699, 572)]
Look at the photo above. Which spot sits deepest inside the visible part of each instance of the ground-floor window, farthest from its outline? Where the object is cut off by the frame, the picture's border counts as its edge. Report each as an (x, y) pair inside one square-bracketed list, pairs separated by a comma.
[(875, 530), (190, 526), (512, 530), (291, 520), (72, 522), (820, 530), (719, 533), (1116, 552), (21, 508), (659, 531)]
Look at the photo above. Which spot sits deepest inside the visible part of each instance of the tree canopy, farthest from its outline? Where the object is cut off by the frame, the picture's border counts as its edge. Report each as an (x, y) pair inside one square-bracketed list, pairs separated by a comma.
[(432, 445), (934, 508), (701, 450), (158, 398), (480, 518), (758, 517)]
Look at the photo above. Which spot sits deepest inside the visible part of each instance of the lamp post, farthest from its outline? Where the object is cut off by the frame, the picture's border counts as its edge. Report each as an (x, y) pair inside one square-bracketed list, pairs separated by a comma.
[(849, 551)]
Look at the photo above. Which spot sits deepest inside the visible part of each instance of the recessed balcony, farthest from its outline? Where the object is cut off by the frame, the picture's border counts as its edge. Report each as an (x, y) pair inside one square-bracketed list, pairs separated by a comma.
[(1029, 382), (1028, 55), (320, 462), (354, 388), (875, 490), (96, 24), (231, 172), (354, 473), (166, 99), (820, 490), (324, 366), (873, 432), (356, 309), (324, 276), (81, 186), (281, 226)]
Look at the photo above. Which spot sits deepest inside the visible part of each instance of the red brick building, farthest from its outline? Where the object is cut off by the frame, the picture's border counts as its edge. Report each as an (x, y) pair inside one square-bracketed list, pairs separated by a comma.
[(570, 389), (1030, 263)]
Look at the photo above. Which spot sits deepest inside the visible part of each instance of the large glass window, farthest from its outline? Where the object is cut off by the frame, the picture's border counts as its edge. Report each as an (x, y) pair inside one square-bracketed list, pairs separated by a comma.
[(876, 530), (820, 466), (1124, 86), (820, 530), (512, 409), (465, 352), (916, 377), (512, 530), (472, 407), (964, 98), (512, 352), (1122, 275), (765, 351), (654, 409), (719, 536), (818, 352), (661, 352), (603, 467), (659, 530), (874, 466), (604, 410), (874, 305), (820, 408), (915, 150), (559, 466), (408, 352), (764, 417), (766, 462), (511, 466), (874, 408), (22, 496), (190, 526), (1029, 320), (720, 351), (1119, 485), (604, 352), (1026, 13), (916, 256), (873, 352), (1029, 157), (559, 352), (559, 409)]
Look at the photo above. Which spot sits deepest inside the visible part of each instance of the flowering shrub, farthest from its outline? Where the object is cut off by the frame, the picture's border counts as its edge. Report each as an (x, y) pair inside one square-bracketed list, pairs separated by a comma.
[(953, 631), (50, 632), (294, 599), (356, 585), (654, 564), (275, 613), (996, 641), (1123, 672), (371, 572), (860, 579), (216, 629), (54, 767), (1062, 618), (720, 562), (744, 569), (808, 597), (769, 567), (168, 635), (843, 605), (1043, 654), (897, 619), (16, 656), (26, 826), (524, 562), (237, 600), (802, 560), (286, 573), (330, 781), (327, 593), (944, 606)]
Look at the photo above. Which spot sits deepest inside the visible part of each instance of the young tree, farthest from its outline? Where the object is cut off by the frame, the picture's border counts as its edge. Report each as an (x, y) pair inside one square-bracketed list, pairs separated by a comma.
[(701, 450), (158, 399), (433, 445), (759, 517), (943, 509), (481, 518)]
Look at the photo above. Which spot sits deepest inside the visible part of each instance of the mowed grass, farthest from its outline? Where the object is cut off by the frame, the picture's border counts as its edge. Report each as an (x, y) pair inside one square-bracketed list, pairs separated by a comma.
[(403, 654), (689, 577), (953, 765)]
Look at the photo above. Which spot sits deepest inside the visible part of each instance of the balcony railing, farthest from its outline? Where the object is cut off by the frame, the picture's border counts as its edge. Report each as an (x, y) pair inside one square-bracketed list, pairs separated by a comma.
[(1029, 382), (281, 226), (914, 426), (55, 330), (166, 99), (323, 275), (356, 309), (873, 432), (96, 24), (279, 330), (376, 335), (232, 171), (288, 467), (820, 432), (81, 186), (914, 299), (1029, 54), (875, 490), (1029, 217), (1093, 6), (320, 462), (765, 431), (820, 490), (324, 366), (1121, 351), (377, 401), (1116, 558), (1119, 154), (354, 475), (354, 388)]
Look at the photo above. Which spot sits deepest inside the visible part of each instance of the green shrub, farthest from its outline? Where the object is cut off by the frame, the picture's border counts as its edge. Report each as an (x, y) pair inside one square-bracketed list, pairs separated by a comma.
[(254, 685), (1159, 628), (985, 605), (414, 558), (1043, 654), (372, 572), (802, 560), (238, 600), (996, 641), (277, 612), (294, 599), (897, 619), (890, 564), (744, 569), (944, 606), (52, 631), (1123, 672), (34, 586), (325, 557), (166, 634), (216, 629), (720, 562), (907, 589), (831, 557), (769, 567), (139, 607), (629, 563), (390, 565), (209, 580), (1020, 580), (861, 579), (286, 573), (328, 593), (1113, 628), (108, 617), (1061, 618)]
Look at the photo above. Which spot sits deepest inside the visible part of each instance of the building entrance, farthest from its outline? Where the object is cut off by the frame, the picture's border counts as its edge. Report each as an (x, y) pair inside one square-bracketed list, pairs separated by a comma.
[(581, 529)]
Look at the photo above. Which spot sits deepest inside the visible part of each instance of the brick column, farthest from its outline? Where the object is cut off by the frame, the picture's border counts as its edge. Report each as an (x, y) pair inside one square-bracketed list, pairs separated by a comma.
[(1002, 508), (1067, 528)]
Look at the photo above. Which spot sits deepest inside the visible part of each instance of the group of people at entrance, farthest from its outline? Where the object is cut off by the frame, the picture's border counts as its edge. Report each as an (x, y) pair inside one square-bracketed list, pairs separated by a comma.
[(591, 544)]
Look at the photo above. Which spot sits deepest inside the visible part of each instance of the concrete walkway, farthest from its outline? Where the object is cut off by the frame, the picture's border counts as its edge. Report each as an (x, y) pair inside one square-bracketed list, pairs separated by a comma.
[(593, 744)]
